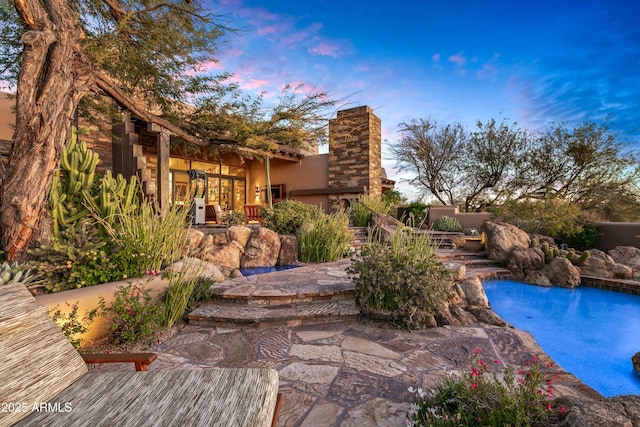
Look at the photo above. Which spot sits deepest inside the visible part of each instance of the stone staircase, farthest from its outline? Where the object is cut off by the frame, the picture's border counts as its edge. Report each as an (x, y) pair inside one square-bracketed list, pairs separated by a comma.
[(360, 235), (310, 294)]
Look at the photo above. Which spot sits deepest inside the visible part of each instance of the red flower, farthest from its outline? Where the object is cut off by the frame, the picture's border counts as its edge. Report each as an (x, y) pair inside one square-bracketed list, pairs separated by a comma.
[(474, 386), (562, 410)]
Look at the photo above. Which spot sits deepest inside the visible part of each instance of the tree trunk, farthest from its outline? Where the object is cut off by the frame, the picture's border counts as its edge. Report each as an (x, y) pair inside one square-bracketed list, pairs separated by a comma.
[(52, 80)]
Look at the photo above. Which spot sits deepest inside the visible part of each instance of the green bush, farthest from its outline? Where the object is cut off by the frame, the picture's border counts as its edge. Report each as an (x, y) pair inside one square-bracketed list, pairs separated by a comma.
[(361, 210), (583, 239), (401, 281), (418, 214), (180, 290), (133, 316), (446, 223), (234, 218), (325, 238), (288, 216), (487, 395), (553, 216)]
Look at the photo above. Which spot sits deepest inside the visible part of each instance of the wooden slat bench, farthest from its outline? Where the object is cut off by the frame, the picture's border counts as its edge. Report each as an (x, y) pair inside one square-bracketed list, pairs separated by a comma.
[(45, 382)]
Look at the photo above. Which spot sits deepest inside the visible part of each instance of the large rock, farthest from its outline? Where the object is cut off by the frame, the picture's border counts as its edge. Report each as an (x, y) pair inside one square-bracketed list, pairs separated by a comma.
[(623, 411), (240, 234), (382, 219), (474, 292), (626, 255), (192, 238), (458, 270), (521, 262), (198, 268), (635, 360), (262, 250), (288, 250), (501, 239), (561, 272), (537, 278), (227, 255), (601, 264)]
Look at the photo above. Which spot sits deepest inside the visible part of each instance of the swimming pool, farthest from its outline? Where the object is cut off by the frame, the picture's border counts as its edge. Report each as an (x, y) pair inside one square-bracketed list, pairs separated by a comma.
[(589, 332), (261, 270)]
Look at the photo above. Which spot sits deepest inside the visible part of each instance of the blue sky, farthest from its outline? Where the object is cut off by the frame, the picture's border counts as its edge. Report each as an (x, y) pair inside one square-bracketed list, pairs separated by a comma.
[(533, 62)]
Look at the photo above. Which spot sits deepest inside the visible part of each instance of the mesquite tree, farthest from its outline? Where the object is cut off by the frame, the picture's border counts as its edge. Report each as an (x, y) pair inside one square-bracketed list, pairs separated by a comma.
[(150, 57)]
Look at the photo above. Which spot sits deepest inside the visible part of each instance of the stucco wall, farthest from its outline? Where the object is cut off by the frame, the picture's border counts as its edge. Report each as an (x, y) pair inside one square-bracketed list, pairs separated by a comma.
[(467, 220), (7, 116)]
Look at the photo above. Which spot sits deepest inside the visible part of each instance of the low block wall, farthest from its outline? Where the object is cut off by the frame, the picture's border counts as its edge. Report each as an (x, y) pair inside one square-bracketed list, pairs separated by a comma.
[(88, 298), (612, 234), (467, 219)]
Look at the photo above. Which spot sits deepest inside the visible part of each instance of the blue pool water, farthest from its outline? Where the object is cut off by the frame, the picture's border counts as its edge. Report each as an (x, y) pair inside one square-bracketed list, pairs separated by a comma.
[(262, 270), (589, 332)]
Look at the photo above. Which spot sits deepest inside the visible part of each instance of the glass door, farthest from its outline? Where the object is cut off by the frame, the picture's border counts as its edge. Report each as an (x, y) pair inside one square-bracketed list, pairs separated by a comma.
[(238, 194)]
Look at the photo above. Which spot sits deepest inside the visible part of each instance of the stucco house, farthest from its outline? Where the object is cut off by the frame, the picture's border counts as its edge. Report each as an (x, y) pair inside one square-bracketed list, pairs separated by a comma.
[(351, 167)]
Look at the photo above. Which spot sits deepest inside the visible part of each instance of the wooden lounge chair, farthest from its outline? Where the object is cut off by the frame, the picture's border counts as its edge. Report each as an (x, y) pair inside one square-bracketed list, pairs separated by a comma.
[(252, 213), (45, 382)]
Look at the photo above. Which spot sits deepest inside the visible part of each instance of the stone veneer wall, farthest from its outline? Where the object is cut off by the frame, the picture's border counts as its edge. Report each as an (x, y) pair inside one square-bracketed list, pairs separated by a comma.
[(355, 158)]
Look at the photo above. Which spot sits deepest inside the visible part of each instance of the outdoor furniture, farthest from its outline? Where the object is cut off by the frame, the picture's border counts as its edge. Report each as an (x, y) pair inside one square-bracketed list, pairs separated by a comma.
[(252, 213), (213, 213), (45, 382)]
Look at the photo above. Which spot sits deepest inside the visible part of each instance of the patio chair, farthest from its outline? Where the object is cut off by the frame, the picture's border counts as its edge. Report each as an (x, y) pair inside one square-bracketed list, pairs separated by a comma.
[(45, 382), (252, 213)]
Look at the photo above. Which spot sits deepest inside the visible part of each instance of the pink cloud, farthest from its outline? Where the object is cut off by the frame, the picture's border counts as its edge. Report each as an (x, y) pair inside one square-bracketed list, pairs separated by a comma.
[(271, 29), (304, 34), (457, 59), (436, 57), (254, 84), (326, 49)]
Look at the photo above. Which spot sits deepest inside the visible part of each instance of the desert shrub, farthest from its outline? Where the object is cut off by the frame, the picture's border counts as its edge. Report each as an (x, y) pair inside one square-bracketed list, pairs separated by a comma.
[(325, 238), (553, 216), (361, 210), (418, 214), (288, 216), (178, 294), (585, 238), (400, 280), (446, 223), (234, 218), (72, 324), (79, 257), (133, 316), (488, 395), (201, 293)]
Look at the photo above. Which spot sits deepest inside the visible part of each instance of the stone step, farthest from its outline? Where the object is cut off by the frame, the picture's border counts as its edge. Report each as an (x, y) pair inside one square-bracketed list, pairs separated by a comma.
[(274, 297), (268, 316)]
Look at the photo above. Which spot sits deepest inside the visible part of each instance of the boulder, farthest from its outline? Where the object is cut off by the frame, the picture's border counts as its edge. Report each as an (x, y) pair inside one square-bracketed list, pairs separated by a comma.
[(219, 239), (474, 292), (626, 255), (620, 271), (501, 239), (378, 219), (537, 278), (635, 360), (521, 262), (457, 241), (387, 233), (199, 268), (288, 250), (227, 255), (486, 315), (596, 265), (617, 411), (192, 239), (458, 270), (262, 249), (240, 234), (561, 272)]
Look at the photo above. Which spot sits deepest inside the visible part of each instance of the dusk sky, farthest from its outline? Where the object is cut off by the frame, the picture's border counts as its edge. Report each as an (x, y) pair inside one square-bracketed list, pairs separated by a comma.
[(533, 62)]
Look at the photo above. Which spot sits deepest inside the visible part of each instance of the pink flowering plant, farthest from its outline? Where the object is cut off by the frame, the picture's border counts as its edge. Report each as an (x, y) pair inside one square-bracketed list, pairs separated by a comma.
[(488, 394)]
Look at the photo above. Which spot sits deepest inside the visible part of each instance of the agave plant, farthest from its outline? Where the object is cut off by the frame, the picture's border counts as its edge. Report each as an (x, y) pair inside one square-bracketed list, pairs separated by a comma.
[(17, 273)]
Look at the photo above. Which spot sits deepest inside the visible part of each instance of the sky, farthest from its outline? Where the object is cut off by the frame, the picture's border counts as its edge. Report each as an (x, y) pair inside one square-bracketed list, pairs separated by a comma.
[(532, 62)]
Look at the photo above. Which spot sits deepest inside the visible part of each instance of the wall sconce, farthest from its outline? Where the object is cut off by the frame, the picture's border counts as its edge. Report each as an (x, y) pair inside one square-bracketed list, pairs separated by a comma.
[(257, 192)]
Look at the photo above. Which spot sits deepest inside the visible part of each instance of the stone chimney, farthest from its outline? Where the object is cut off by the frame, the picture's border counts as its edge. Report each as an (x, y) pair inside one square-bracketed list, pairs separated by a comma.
[(355, 158)]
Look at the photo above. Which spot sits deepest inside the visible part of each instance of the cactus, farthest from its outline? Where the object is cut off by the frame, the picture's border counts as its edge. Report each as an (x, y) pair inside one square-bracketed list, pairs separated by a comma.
[(71, 184), (533, 243), (15, 273), (550, 253), (584, 256), (115, 196), (446, 223)]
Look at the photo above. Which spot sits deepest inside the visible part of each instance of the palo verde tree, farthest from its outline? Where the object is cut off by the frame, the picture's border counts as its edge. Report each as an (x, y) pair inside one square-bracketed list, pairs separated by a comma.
[(148, 56)]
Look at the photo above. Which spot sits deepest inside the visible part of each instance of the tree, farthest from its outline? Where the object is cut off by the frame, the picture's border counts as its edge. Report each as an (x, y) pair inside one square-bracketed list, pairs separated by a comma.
[(475, 170), (587, 166), (433, 155), (146, 55)]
